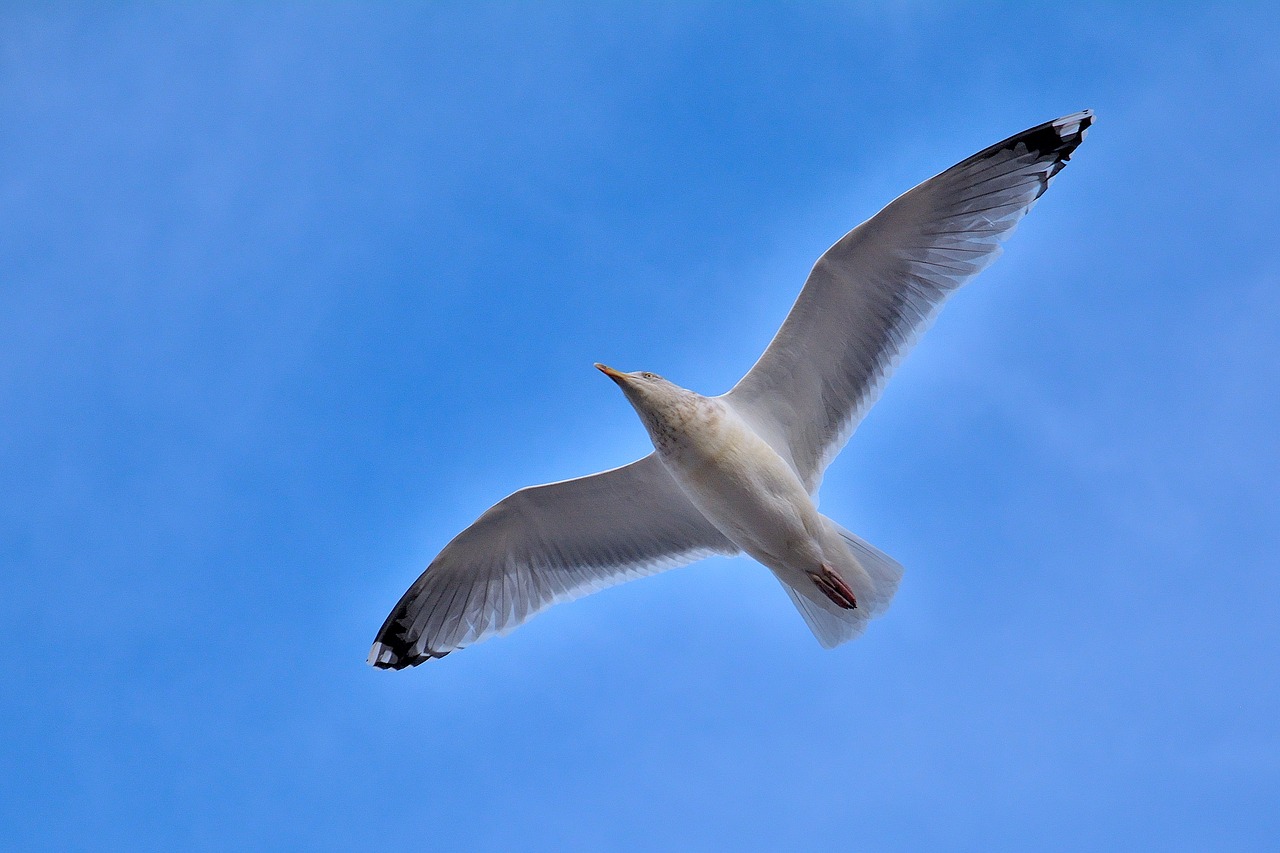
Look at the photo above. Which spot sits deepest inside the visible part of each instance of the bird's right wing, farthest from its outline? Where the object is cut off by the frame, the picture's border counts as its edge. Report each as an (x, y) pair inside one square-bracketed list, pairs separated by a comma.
[(875, 289), (540, 546)]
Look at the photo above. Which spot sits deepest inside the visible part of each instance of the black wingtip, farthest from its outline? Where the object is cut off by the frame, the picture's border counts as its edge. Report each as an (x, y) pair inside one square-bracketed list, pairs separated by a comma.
[(1054, 142), (393, 648), (389, 654), (1056, 139)]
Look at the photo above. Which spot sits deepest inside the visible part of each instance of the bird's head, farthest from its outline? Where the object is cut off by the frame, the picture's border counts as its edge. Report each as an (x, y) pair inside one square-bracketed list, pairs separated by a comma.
[(661, 404)]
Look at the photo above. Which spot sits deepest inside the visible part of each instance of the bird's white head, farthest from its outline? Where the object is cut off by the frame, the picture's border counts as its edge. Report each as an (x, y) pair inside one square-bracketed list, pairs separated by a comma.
[(665, 408)]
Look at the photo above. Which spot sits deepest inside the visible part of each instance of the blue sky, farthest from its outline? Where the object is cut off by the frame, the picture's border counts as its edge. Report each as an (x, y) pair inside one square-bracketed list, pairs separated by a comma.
[(293, 293)]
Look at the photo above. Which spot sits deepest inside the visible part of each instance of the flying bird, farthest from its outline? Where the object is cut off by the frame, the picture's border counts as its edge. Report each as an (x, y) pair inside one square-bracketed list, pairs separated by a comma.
[(738, 473)]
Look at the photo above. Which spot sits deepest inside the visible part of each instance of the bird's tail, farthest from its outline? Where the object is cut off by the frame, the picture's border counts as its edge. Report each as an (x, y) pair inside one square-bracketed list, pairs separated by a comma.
[(860, 569)]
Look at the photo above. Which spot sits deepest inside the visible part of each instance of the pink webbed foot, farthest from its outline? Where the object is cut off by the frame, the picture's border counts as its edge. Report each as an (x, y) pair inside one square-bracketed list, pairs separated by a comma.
[(834, 587)]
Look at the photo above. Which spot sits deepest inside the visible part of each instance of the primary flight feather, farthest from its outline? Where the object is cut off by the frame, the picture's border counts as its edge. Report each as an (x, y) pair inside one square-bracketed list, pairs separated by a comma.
[(737, 473)]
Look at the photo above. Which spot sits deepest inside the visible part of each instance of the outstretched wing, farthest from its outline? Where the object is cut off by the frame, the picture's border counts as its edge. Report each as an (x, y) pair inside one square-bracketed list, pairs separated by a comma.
[(871, 292), (540, 546)]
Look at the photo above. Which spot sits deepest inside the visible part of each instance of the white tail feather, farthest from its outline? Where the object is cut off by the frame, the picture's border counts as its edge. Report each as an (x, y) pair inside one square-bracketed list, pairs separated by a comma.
[(873, 577)]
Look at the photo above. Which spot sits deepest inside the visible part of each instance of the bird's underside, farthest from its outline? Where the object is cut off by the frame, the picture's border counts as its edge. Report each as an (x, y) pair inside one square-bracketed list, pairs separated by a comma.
[(863, 302)]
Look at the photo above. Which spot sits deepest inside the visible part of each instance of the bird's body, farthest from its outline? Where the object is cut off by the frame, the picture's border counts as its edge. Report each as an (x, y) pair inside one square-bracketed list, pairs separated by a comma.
[(738, 473), (745, 489), (739, 483)]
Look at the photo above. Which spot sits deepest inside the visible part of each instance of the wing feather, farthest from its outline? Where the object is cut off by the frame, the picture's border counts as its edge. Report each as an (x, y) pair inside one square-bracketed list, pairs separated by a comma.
[(872, 292), (540, 546)]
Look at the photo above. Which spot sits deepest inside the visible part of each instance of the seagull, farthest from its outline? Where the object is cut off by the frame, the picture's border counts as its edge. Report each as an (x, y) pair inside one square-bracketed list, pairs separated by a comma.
[(739, 473)]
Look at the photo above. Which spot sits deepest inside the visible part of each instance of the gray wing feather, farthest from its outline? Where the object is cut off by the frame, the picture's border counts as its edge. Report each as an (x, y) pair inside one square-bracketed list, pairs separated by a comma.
[(540, 546), (872, 292)]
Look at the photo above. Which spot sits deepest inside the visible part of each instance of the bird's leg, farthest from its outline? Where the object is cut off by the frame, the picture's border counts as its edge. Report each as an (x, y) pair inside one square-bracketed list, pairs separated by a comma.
[(834, 587)]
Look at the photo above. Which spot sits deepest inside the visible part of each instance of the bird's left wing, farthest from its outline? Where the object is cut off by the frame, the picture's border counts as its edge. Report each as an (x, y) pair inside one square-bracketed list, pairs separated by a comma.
[(540, 546)]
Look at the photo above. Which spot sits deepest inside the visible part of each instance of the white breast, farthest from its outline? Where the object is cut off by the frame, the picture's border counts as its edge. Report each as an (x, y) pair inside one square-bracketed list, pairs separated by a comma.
[(744, 487)]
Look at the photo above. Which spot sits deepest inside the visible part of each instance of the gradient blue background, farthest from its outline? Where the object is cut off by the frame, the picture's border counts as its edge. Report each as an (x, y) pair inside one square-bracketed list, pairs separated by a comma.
[(291, 294)]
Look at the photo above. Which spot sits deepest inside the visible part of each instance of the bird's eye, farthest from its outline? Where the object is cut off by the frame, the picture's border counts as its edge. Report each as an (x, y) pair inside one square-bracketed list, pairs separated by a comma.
[(649, 375)]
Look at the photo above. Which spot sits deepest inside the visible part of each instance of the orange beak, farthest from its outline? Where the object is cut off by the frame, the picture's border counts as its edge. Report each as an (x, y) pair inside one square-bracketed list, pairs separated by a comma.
[(615, 375)]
